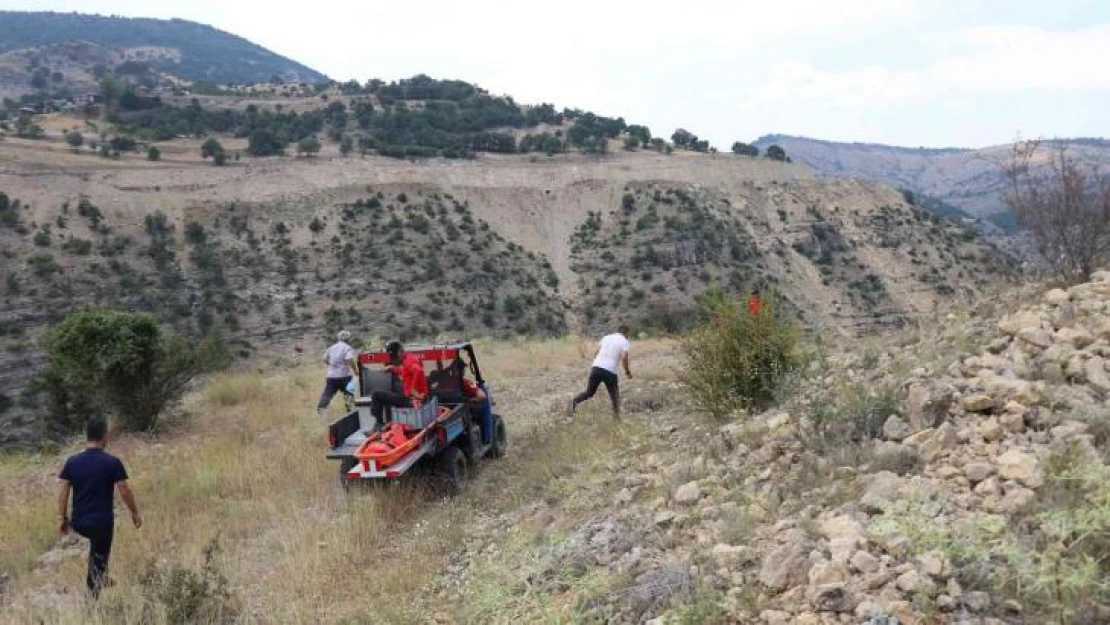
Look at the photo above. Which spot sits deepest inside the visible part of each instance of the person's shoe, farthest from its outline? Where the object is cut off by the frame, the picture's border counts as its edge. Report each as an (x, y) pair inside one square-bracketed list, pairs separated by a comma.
[(570, 408)]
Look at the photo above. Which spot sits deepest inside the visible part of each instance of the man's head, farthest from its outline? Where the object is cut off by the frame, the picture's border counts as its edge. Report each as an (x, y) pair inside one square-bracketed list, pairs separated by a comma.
[(96, 430), (396, 351), (623, 330), (344, 336)]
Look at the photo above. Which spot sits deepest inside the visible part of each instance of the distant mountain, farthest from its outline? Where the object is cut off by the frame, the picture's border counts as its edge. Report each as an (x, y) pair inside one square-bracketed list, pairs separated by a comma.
[(179, 47), (966, 180)]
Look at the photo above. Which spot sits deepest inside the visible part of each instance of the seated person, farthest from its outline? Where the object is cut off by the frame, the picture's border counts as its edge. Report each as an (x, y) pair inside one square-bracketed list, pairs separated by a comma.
[(414, 384), (472, 392)]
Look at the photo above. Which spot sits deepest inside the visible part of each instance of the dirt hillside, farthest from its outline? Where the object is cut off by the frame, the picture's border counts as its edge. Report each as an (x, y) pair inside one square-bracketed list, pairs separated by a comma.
[(280, 253)]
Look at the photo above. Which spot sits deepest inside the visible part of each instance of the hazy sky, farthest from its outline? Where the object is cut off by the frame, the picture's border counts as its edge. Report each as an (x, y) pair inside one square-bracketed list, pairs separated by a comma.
[(907, 72)]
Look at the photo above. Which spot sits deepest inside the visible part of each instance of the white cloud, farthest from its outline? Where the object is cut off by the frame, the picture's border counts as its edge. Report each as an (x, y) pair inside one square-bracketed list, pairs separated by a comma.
[(1016, 58), (862, 88)]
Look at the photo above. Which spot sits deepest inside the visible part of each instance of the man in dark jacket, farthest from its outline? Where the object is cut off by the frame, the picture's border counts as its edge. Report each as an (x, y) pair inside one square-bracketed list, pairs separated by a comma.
[(93, 475)]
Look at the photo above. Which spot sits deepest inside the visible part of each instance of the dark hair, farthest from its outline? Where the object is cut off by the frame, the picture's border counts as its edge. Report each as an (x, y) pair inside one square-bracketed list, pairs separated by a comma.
[(96, 429), (394, 349), (755, 292), (623, 329)]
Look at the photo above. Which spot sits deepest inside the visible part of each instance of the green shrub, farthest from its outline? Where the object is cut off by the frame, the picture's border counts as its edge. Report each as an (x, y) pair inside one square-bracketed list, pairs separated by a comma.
[(736, 359), (188, 596), (121, 364)]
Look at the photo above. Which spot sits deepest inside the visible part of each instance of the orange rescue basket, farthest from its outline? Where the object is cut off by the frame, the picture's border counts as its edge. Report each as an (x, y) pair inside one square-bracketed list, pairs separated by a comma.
[(386, 447)]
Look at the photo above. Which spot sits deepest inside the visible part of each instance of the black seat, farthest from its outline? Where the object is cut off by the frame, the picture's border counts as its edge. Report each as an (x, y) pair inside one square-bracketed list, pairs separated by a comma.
[(377, 381)]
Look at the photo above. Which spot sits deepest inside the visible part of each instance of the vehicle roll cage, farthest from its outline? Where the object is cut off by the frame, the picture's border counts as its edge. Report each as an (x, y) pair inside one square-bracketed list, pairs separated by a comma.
[(450, 352)]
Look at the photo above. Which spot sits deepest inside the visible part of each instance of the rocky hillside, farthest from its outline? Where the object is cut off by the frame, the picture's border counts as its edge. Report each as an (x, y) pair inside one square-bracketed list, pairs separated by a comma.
[(186, 49), (853, 255), (966, 179), (955, 475), (279, 253)]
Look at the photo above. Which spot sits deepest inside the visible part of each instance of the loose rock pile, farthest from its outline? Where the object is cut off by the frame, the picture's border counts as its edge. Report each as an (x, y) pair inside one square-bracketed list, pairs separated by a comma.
[(777, 531)]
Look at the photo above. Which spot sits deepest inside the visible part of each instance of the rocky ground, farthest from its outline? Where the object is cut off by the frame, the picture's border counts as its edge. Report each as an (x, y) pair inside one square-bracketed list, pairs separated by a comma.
[(952, 473), (957, 510)]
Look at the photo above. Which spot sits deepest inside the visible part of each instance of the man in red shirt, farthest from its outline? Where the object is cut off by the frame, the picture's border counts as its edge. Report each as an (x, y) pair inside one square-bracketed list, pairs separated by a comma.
[(755, 303), (414, 384)]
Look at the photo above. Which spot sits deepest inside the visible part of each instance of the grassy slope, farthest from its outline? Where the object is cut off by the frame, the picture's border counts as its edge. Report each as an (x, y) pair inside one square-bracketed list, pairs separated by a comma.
[(249, 469)]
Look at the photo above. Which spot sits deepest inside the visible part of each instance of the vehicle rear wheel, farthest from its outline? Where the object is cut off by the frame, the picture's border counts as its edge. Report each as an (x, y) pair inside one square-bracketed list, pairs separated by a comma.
[(450, 472), (500, 442)]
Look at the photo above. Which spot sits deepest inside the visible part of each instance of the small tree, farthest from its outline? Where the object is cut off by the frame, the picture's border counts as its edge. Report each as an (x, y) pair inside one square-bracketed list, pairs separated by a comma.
[(743, 149), (346, 145), (1065, 207), (776, 153), (737, 359), (211, 147), (75, 139), (153, 153), (118, 363), (220, 159), (309, 146)]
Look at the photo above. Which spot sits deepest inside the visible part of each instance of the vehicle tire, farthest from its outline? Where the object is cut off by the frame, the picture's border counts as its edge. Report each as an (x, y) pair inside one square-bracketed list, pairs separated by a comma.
[(346, 464), (450, 472), (500, 442)]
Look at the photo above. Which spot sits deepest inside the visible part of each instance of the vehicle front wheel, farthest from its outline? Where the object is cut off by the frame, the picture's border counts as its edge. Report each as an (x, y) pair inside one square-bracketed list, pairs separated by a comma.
[(500, 438), (450, 472)]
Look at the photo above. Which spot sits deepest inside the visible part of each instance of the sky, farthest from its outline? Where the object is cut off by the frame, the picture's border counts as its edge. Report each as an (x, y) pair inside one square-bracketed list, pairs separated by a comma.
[(934, 73)]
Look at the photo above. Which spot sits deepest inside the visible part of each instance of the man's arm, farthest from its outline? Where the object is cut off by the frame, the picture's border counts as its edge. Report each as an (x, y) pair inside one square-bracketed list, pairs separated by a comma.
[(129, 499), (624, 361), (63, 506)]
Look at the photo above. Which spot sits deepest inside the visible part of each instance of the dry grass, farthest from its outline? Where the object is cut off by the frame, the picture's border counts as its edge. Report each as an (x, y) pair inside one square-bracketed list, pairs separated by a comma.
[(249, 470)]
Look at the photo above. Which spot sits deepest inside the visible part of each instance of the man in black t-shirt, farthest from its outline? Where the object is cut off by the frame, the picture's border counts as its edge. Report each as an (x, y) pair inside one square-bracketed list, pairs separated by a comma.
[(93, 475)]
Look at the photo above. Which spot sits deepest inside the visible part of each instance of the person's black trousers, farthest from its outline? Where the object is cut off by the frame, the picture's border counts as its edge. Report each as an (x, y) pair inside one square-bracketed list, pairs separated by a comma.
[(380, 399), (100, 547), (331, 387), (600, 376)]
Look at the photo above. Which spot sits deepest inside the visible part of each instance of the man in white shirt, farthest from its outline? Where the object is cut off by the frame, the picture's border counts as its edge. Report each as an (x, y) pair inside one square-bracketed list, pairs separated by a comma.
[(612, 353), (342, 362)]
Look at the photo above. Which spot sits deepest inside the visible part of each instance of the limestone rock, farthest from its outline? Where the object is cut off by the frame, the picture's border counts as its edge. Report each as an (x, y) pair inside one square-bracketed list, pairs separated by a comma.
[(927, 404), (932, 564), (1022, 467), (1056, 297), (776, 617), (687, 494), (978, 471), (883, 487), (1035, 337), (1011, 325), (833, 598), (978, 402), (990, 430), (786, 566), (1013, 422), (895, 429), (864, 562), (729, 556)]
